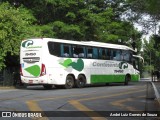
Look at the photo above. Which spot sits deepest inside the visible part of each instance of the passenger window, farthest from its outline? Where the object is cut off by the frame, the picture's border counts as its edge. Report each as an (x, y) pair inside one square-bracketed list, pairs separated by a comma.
[(113, 54), (65, 50), (117, 55), (126, 56), (54, 48), (89, 52), (102, 53), (95, 53), (78, 51), (108, 54)]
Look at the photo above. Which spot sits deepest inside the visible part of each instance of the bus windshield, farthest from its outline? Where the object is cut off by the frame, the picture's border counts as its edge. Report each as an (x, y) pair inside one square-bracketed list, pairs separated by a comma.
[(136, 60)]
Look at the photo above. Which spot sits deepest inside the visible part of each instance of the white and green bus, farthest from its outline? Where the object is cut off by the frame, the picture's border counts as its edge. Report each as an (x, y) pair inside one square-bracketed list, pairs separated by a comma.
[(48, 62)]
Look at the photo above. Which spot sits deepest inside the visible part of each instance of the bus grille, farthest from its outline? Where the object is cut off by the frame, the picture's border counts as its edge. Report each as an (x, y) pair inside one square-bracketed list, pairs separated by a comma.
[(31, 59)]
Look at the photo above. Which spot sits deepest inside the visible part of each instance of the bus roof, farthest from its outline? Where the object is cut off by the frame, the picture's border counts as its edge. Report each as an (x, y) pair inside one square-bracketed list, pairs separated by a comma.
[(89, 43), (109, 45)]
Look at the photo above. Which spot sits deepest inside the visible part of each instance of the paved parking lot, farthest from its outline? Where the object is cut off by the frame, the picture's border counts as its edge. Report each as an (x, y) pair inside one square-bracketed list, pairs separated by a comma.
[(94, 102)]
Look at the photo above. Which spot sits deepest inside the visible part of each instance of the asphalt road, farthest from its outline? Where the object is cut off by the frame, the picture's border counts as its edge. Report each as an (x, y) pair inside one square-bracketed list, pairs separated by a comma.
[(113, 102)]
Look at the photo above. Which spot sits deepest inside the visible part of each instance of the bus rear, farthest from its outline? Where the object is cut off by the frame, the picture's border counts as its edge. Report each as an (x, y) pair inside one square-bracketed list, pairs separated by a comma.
[(32, 69)]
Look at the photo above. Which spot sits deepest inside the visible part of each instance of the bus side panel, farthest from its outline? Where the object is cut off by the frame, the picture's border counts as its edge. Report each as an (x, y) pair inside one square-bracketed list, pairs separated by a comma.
[(109, 71), (87, 69), (101, 73), (107, 78), (71, 66), (53, 70), (56, 76), (135, 77), (59, 67)]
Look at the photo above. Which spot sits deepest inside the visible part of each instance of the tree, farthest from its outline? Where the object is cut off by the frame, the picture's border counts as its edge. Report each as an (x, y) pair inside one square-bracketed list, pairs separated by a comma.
[(149, 55), (146, 13), (15, 25), (86, 20), (89, 20)]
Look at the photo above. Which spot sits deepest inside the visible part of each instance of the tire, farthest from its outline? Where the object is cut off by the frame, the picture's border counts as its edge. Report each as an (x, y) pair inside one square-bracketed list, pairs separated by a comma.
[(107, 84), (81, 81), (69, 82), (48, 87), (127, 79), (23, 85)]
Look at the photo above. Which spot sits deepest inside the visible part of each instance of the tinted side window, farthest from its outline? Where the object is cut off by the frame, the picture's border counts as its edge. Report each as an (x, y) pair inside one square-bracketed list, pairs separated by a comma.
[(113, 54), (65, 50), (54, 48), (116, 55), (78, 51), (89, 52), (126, 56), (95, 53), (108, 54), (102, 53)]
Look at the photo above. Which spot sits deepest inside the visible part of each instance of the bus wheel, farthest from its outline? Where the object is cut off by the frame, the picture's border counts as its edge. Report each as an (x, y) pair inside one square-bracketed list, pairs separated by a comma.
[(81, 81), (107, 84), (69, 82), (47, 87), (127, 79)]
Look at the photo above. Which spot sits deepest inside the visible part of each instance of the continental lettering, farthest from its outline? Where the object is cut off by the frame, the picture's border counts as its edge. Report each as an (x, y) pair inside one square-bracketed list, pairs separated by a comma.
[(105, 64)]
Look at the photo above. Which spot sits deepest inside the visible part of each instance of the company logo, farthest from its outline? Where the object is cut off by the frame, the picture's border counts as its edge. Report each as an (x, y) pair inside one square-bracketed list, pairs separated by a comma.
[(6, 114), (123, 65), (27, 43), (77, 65)]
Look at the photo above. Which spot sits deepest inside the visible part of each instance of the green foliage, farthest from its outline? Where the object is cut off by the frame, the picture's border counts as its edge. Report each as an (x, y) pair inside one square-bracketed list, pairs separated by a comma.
[(15, 25), (87, 20), (66, 31), (152, 52), (146, 13)]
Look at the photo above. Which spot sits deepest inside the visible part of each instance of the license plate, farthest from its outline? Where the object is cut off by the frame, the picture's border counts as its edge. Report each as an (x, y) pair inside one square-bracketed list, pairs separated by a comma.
[(30, 81)]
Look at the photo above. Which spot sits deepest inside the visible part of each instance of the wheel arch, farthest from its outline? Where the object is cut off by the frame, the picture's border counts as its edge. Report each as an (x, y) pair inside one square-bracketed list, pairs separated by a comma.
[(128, 75), (71, 74)]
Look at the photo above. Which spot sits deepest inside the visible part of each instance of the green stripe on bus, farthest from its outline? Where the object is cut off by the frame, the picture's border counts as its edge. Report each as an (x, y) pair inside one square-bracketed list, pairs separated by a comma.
[(111, 78), (135, 77)]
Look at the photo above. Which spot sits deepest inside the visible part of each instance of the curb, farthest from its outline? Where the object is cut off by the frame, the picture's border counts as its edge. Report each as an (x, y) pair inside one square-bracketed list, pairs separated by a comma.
[(156, 93), (5, 88), (11, 87)]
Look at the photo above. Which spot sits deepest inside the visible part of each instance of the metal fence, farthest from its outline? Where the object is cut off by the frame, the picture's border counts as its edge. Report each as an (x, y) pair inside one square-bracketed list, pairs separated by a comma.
[(9, 76)]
